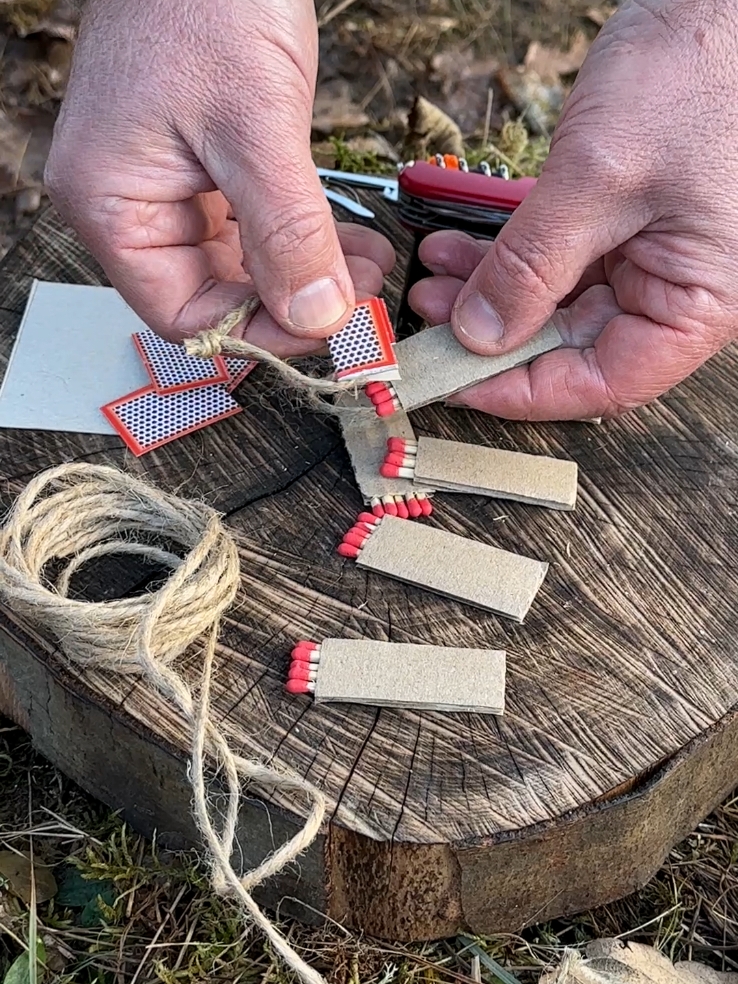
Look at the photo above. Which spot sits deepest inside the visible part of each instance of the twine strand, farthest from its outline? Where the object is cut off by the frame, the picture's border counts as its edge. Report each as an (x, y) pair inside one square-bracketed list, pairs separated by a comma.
[(78, 512), (219, 340)]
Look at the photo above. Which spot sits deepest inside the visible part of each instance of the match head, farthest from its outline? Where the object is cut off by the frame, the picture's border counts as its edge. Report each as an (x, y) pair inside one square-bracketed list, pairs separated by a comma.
[(370, 518), (413, 507), (348, 550), (402, 511), (299, 687)]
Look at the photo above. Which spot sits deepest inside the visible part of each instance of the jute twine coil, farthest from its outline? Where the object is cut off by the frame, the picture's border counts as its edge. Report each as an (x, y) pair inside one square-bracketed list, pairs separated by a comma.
[(216, 341), (77, 512)]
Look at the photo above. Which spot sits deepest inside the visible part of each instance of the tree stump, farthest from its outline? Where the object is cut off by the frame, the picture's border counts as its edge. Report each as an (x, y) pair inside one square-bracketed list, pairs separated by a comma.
[(620, 731)]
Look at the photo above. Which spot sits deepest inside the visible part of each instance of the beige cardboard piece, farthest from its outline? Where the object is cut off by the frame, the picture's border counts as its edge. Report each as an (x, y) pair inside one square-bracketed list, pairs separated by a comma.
[(434, 365), (531, 478), (391, 674), (366, 436), (451, 565)]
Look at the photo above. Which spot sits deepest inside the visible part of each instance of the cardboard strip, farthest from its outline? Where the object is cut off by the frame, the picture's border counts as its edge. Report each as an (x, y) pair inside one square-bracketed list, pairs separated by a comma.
[(434, 365), (366, 436), (453, 566), (531, 478), (391, 674)]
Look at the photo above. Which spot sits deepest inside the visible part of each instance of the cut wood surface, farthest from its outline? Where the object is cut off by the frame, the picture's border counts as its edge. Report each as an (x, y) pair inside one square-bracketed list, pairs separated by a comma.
[(618, 733)]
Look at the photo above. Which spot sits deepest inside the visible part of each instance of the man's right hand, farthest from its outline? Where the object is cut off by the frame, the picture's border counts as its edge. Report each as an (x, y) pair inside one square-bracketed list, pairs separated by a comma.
[(629, 241)]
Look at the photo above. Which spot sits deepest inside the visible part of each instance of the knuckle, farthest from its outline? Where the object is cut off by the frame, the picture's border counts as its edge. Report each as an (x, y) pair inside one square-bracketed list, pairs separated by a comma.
[(301, 229), (524, 265)]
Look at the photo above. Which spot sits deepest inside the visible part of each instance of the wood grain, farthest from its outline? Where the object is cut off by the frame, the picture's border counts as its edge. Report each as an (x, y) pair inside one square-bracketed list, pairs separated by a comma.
[(624, 676)]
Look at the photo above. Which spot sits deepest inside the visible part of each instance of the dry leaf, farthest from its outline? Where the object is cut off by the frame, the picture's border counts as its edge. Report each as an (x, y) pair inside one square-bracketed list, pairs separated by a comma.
[(464, 83), (612, 961), (601, 15), (549, 64), (431, 131), (25, 139), (537, 102), (16, 870), (334, 112), (535, 88)]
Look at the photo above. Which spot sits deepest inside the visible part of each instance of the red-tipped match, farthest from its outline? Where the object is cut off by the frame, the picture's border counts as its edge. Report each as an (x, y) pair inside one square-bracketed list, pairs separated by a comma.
[(402, 510), (299, 653), (355, 539), (301, 671), (414, 508), (390, 508), (371, 388), (425, 507), (403, 460), (297, 687), (365, 517), (306, 644), (396, 444), (389, 471), (385, 397), (385, 409), (346, 550), (302, 666), (378, 510)]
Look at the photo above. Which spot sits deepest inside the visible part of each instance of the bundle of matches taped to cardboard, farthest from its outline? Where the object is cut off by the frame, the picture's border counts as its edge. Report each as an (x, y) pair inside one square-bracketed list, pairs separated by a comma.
[(454, 566), (433, 365), (388, 674), (365, 437), (455, 467)]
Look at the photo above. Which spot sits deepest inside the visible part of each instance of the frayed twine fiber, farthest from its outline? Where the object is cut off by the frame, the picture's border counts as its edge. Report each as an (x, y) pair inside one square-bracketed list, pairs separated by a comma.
[(77, 512), (215, 341)]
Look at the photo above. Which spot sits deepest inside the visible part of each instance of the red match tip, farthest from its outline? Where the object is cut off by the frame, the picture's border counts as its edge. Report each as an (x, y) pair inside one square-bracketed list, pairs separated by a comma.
[(395, 458), (371, 388), (306, 644), (389, 471), (365, 517), (402, 510), (299, 671), (425, 507), (385, 409), (396, 444), (347, 550), (296, 687), (414, 508), (378, 510), (390, 508), (355, 539), (361, 531), (300, 653)]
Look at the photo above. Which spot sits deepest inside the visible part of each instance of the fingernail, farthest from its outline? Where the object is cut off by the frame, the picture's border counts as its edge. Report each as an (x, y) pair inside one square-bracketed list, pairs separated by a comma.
[(437, 268), (478, 319), (319, 305)]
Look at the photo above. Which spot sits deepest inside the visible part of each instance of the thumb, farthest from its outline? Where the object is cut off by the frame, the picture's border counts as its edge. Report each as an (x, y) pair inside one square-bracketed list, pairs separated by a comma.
[(562, 226), (291, 248)]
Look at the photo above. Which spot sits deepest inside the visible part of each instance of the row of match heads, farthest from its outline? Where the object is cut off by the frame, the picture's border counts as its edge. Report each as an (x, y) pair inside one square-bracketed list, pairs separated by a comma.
[(303, 668), (399, 462), (384, 398)]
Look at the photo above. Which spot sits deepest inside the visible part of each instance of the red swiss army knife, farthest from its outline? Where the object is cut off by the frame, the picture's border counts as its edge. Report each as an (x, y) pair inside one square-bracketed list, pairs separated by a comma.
[(443, 192)]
